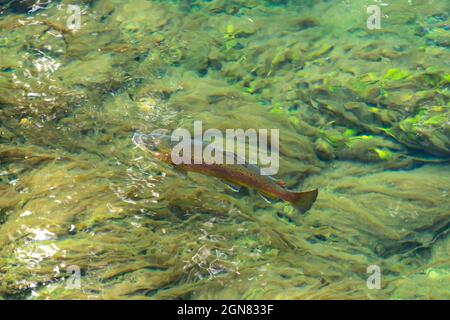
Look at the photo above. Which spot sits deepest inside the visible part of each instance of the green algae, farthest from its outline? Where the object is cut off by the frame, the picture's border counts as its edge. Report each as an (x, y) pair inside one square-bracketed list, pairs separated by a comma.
[(350, 105)]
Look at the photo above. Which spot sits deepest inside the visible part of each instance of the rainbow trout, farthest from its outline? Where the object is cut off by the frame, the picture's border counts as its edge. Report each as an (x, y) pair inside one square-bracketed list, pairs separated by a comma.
[(159, 145)]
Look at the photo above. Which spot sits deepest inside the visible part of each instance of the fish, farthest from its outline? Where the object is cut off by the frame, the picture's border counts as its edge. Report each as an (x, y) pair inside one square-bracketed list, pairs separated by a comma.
[(159, 145)]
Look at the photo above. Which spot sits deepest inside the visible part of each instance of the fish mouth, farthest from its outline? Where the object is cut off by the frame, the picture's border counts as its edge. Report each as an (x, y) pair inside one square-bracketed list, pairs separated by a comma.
[(152, 142)]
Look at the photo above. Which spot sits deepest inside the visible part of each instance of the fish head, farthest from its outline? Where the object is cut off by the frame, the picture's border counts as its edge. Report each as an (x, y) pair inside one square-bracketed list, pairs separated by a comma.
[(157, 143)]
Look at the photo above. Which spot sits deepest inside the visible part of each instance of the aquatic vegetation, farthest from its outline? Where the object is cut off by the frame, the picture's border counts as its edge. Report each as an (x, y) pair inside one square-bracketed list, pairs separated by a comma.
[(363, 116), (395, 75), (383, 154)]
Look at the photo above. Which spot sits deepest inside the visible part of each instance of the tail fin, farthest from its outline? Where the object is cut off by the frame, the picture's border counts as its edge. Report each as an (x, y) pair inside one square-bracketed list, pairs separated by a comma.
[(303, 201)]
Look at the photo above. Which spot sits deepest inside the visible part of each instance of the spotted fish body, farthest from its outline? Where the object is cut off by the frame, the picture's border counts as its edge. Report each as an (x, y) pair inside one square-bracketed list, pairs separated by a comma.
[(246, 175)]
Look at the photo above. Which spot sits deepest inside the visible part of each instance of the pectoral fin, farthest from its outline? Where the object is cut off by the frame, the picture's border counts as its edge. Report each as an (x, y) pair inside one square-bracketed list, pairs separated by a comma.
[(281, 183), (265, 198), (233, 187)]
